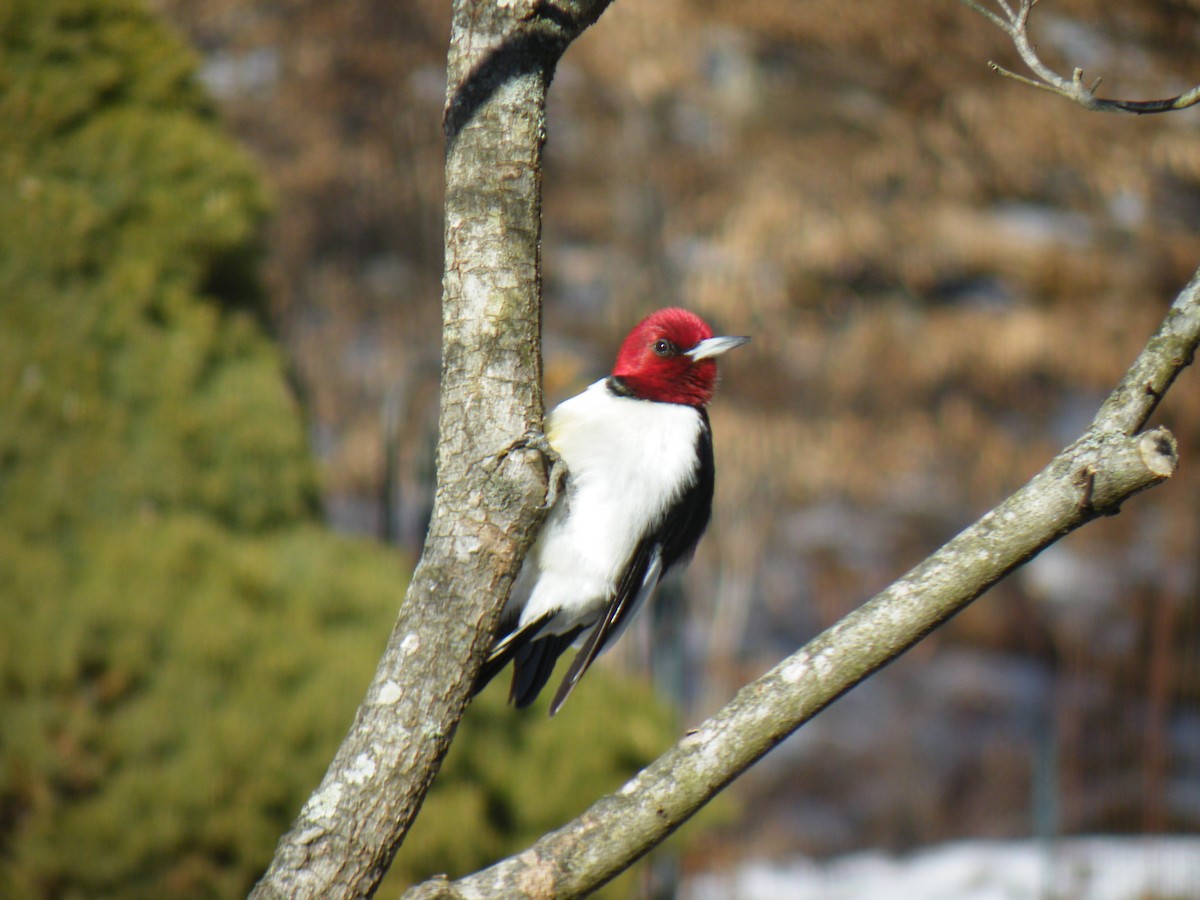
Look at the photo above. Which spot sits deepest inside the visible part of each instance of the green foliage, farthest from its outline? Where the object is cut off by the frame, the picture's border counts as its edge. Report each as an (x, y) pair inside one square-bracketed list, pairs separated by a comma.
[(123, 391), (167, 710), (183, 644)]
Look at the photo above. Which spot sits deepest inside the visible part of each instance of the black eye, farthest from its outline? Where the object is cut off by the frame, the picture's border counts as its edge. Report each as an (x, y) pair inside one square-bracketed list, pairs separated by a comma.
[(663, 347)]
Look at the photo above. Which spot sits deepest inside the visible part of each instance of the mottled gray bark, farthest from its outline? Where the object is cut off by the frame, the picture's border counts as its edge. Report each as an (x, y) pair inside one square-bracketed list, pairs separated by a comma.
[(502, 56), (1111, 462)]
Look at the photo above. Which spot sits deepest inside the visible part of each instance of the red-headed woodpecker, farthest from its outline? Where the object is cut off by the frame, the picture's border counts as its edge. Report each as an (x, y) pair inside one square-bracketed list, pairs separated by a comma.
[(637, 498)]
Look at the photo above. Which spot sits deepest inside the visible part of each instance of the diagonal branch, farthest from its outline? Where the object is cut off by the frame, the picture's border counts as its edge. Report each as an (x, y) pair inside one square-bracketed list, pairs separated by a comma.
[(1090, 478), (1015, 23)]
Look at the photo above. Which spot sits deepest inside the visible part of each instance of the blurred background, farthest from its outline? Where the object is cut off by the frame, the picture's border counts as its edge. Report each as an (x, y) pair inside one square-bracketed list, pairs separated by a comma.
[(219, 345)]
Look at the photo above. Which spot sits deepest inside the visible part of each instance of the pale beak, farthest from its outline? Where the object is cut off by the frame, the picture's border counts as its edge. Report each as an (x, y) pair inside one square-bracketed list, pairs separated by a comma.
[(714, 346)]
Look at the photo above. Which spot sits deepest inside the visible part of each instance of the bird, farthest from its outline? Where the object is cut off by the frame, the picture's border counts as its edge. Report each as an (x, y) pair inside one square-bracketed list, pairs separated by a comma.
[(637, 497)]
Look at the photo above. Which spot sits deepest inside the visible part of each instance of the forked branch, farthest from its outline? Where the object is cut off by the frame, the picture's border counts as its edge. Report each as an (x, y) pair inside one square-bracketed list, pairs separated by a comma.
[(1014, 21)]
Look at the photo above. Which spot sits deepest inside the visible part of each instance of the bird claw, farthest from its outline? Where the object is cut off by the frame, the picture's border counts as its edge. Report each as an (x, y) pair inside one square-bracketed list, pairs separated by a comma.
[(556, 475)]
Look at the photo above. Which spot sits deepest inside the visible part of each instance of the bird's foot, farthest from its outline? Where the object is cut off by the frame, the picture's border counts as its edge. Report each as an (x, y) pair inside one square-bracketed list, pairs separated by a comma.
[(556, 467)]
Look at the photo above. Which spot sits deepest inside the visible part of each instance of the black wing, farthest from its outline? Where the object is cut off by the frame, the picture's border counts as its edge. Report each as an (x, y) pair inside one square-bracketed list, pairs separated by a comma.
[(672, 540)]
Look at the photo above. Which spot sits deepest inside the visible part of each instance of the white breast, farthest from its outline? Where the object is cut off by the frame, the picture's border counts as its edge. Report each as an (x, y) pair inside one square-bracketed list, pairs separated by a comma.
[(629, 460)]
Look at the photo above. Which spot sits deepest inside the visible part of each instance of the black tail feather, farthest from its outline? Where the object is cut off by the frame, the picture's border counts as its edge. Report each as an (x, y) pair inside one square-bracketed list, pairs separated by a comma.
[(533, 656), (533, 664)]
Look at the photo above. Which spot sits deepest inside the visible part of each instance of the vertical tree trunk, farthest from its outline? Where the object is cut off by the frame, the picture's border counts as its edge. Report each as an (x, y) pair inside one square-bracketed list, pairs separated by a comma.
[(502, 56)]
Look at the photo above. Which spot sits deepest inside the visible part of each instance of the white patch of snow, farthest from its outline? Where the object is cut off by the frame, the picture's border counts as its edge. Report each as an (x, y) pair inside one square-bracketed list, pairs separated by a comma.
[(1095, 868)]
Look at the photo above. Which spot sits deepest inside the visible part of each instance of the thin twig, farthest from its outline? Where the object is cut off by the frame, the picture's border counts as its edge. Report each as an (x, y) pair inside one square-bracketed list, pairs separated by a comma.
[(1015, 23)]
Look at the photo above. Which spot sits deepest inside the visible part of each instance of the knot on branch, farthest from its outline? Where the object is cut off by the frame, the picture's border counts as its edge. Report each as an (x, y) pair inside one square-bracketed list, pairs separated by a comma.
[(1120, 466), (1159, 452)]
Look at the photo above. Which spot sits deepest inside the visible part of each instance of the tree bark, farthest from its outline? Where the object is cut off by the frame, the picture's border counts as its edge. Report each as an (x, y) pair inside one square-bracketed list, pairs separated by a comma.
[(487, 507), (1092, 477)]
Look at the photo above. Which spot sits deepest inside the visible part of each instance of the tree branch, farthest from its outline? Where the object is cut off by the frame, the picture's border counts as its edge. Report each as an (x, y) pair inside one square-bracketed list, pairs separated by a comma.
[(1015, 23), (1090, 478), (486, 508)]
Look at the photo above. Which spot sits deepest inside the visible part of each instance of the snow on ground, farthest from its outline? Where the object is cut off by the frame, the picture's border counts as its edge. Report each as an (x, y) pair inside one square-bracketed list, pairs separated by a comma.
[(1094, 868)]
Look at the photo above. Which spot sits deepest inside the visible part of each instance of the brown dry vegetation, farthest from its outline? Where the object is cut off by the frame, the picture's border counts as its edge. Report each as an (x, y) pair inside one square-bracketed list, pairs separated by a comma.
[(944, 272)]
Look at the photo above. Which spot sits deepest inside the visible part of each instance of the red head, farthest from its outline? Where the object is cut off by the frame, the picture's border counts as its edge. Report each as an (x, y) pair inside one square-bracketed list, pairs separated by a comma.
[(670, 357)]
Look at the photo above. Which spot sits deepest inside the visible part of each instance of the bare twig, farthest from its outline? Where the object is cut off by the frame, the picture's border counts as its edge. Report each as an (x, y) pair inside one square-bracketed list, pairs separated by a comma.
[(1015, 23)]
